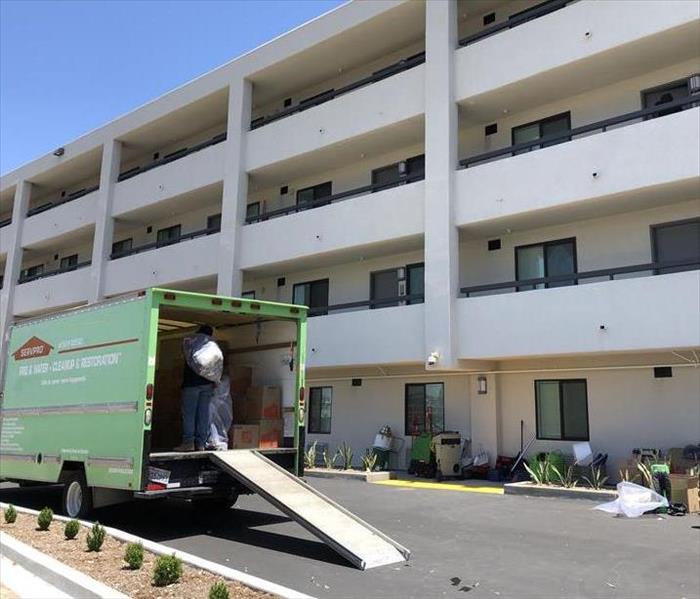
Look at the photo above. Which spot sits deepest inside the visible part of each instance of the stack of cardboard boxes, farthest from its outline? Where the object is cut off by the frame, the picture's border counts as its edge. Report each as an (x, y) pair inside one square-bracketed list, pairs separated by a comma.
[(257, 412), (683, 480)]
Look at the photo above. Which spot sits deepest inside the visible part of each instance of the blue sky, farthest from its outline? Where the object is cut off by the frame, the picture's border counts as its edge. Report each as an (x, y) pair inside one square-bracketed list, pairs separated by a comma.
[(69, 66)]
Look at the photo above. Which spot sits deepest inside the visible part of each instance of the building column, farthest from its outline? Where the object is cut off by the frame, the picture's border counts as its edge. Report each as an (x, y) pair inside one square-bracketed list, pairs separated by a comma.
[(104, 223), (484, 416), (441, 239), (13, 266), (235, 193)]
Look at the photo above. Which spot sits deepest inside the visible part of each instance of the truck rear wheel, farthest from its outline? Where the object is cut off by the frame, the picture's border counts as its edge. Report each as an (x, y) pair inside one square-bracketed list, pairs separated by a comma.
[(77, 496)]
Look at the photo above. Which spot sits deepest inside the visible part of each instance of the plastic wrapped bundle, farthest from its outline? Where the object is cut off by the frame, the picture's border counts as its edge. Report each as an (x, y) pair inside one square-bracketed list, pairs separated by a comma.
[(220, 415), (204, 356)]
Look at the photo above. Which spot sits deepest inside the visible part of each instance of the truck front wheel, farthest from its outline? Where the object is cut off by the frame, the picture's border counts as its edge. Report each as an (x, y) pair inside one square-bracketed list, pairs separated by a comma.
[(77, 496)]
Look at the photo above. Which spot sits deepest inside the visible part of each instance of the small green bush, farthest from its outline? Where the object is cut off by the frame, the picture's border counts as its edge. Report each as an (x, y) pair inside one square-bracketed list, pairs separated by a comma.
[(218, 590), (134, 555), (95, 537), (10, 514), (167, 570), (72, 529), (45, 518)]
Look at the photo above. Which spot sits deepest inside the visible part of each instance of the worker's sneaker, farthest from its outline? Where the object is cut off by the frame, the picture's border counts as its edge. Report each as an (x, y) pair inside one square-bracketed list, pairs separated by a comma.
[(186, 446)]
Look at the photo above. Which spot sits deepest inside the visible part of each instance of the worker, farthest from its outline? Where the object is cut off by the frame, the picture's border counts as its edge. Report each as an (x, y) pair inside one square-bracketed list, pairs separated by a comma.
[(197, 392)]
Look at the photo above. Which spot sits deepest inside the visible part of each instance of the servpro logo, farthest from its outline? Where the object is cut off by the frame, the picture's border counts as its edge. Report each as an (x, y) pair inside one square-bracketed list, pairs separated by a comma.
[(34, 348)]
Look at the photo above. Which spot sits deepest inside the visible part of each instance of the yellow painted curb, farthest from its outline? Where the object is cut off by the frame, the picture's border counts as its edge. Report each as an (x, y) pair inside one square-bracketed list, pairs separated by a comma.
[(411, 484)]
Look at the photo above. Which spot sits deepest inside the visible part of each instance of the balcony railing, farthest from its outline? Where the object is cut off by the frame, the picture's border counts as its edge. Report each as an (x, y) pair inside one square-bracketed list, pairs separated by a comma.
[(398, 67), (653, 268), (181, 153), (5, 222), (598, 127), (385, 302), (336, 197), (51, 273), (527, 15), (60, 201), (160, 244)]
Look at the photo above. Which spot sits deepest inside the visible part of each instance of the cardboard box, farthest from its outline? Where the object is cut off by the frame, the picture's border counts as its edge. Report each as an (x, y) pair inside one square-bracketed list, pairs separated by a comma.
[(688, 497), (271, 432), (241, 378), (679, 464), (263, 403), (244, 436)]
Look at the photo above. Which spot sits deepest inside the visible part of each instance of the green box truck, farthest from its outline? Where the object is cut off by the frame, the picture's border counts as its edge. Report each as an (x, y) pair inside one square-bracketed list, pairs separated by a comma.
[(90, 400)]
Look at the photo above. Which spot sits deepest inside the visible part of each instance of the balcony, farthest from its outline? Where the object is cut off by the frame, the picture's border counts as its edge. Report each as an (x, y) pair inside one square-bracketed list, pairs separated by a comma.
[(192, 257), (616, 156), (389, 71), (512, 62), (67, 287), (5, 222), (605, 312), (387, 104), (387, 335), (370, 223), (61, 200), (160, 244), (53, 273)]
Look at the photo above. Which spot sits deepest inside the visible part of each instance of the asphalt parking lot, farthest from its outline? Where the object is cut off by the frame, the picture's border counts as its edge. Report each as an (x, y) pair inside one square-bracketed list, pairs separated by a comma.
[(463, 544)]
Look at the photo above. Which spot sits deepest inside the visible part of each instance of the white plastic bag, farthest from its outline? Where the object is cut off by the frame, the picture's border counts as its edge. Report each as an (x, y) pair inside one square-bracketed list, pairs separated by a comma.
[(633, 501), (204, 356), (220, 414)]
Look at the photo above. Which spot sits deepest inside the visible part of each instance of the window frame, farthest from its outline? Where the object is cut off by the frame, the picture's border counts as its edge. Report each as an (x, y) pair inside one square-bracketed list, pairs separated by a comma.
[(67, 266), (407, 429), (660, 88), (248, 208), (316, 311), (545, 244), (309, 428), (123, 251), (563, 436), (539, 123), (209, 221), (248, 294), (653, 240), (315, 202), (170, 241), (409, 267)]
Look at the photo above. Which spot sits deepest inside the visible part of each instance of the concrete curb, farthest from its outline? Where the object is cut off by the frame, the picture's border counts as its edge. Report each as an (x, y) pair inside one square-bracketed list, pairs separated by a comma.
[(249, 580), (368, 477), (527, 488), (69, 580)]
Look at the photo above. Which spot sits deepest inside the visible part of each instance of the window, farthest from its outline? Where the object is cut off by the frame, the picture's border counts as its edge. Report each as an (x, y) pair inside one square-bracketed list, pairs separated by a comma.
[(320, 407), (676, 242), (552, 125), (214, 222), (415, 282), (32, 271), (248, 295), (386, 287), (122, 247), (311, 197), (68, 262), (313, 294), (562, 410), (548, 259), (2, 280), (252, 210), (665, 94), (393, 174), (425, 408), (168, 235)]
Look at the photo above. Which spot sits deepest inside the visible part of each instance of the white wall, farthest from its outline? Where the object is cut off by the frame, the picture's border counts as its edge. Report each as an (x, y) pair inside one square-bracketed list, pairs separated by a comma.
[(627, 409)]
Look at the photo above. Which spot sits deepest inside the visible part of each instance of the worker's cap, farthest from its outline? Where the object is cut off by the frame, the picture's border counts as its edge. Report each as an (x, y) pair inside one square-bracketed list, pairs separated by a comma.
[(205, 329)]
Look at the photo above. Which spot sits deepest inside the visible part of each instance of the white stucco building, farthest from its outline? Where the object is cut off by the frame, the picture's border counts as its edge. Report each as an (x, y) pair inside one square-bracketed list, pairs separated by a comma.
[(403, 167)]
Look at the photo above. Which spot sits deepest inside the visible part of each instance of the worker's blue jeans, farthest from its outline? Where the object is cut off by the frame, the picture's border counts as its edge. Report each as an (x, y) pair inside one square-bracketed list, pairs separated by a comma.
[(195, 414)]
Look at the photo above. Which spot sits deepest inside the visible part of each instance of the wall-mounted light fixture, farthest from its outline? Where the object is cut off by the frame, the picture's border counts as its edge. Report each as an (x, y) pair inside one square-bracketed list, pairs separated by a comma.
[(59, 151), (481, 385)]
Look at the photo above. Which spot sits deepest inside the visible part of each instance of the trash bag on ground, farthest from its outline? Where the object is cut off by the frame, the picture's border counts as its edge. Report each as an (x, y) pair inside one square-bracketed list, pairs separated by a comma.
[(633, 501), (220, 415), (204, 356)]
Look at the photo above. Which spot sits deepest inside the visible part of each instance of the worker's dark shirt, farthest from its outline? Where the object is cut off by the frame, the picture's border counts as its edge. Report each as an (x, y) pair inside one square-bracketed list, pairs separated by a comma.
[(191, 379)]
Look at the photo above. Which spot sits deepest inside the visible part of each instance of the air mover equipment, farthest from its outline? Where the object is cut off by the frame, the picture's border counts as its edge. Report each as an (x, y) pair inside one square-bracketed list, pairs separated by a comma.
[(447, 447)]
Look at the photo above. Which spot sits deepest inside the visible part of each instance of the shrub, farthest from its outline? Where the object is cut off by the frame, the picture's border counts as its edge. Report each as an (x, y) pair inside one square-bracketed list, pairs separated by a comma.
[(45, 518), (218, 590), (96, 537), (10, 514), (539, 470), (72, 529), (346, 454), (133, 555), (167, 570), (310, 456)]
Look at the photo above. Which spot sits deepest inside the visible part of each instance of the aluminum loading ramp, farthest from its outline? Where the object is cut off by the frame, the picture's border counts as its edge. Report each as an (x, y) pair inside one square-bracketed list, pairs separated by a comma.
[(351, 537)]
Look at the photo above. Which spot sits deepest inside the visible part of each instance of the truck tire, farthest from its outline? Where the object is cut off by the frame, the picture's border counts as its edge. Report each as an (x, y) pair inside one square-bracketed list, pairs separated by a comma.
[(77, 496)]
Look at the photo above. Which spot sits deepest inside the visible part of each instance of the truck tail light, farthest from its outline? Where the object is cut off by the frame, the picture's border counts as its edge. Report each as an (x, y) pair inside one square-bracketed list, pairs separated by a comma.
[(147, 416), (149, 391), (301, 397)]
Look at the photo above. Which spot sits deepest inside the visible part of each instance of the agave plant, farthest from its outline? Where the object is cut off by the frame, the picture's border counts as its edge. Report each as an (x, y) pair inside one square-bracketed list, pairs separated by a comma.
[(369, 460), (346, 454), (310, 456), (539, 471), (647, 475), (567, 481), (627, 476), (597, 480), (329, 460)]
